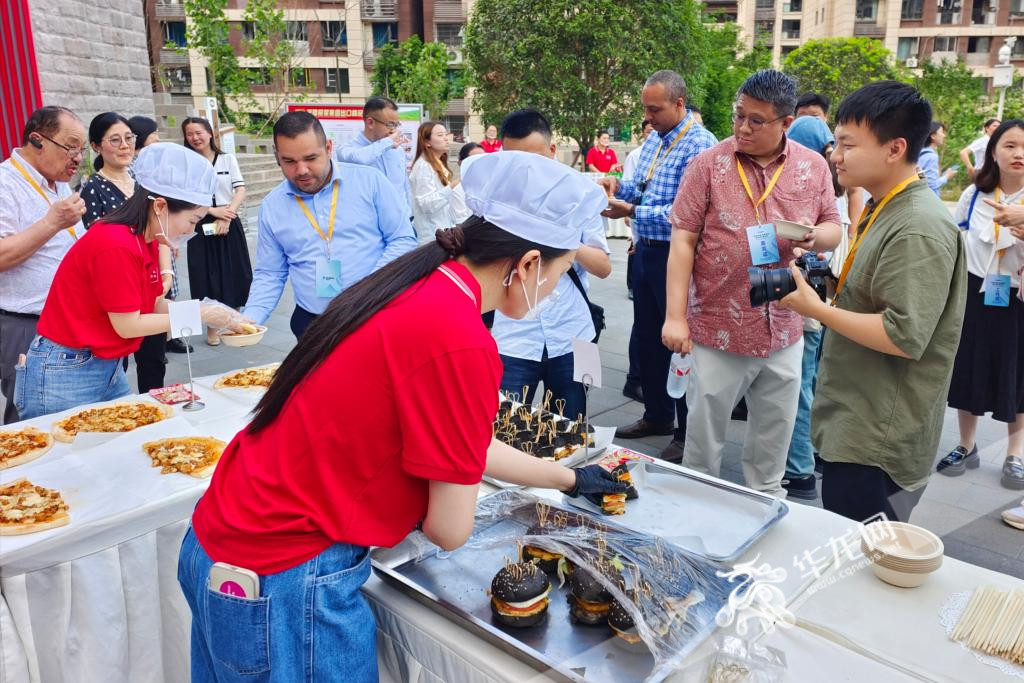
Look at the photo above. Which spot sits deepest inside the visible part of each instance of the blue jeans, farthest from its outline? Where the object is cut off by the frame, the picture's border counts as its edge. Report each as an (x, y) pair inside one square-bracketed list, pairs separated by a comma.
[(557, 375), (319, 629), (55, 378), (800, 461)]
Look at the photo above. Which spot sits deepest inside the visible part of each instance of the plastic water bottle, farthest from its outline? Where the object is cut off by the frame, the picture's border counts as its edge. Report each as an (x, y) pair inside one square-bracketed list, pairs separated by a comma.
[(678, 375)]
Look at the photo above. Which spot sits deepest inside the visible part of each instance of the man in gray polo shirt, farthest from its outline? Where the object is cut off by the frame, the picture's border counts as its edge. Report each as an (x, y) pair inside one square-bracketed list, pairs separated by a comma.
[(40, 218)]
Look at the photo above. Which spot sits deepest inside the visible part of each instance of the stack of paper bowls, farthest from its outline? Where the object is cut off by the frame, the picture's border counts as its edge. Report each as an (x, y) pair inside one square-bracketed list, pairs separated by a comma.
[(901, 554)]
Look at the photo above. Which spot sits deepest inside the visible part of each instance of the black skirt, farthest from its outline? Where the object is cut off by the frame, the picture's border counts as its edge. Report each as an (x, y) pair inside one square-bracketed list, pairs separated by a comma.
[(988, 375), (219, 266)]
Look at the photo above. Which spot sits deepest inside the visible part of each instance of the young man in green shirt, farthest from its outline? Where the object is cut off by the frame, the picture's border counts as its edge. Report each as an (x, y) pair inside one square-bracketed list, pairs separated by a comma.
[(895, 324)]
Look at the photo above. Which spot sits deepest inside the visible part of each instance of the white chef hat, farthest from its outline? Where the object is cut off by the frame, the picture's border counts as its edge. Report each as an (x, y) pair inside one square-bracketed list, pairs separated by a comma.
[(533, 197), (175, 171)]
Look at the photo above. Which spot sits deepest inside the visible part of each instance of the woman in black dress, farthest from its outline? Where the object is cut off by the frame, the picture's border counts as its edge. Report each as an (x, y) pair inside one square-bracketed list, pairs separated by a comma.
[(113, 142), (218, 256)]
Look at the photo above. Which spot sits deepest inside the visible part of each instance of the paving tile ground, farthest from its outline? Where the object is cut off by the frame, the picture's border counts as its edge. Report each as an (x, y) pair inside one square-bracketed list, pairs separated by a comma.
[(964, 511)]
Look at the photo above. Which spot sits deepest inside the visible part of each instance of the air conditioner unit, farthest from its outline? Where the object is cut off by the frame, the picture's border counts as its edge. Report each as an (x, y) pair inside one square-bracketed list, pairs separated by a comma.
[(911, 62), (454, 56)]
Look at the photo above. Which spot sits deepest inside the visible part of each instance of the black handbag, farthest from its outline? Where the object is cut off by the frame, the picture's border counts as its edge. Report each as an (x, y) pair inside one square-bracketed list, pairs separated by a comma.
[(596, 312)]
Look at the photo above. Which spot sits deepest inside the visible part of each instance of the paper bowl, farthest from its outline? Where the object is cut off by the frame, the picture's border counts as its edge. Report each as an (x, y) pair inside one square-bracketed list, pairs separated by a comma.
[(238, 340), (906, 556), (791, 231)]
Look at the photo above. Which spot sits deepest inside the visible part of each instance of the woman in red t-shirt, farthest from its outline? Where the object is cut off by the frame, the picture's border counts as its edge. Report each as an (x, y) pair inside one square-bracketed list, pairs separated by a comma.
[(491, 143), (107, 293), (601, 158), (379, 421)]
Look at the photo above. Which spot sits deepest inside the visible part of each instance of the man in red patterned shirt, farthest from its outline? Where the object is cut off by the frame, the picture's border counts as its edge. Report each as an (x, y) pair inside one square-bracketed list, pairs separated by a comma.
[(723, 217)]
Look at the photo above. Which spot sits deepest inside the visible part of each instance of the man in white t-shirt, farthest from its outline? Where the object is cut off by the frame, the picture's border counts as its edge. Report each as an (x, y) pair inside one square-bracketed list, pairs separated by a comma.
[(977, 148)]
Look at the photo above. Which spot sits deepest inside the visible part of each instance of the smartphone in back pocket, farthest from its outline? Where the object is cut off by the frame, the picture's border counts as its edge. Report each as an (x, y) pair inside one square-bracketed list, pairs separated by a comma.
[(235, 581)]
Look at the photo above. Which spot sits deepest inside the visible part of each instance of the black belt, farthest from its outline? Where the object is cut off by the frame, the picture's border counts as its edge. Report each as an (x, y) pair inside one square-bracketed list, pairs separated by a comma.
[(28, 316), (654, 243)]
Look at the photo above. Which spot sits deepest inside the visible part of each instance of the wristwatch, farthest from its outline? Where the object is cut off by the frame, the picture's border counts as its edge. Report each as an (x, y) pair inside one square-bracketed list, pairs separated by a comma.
[(632, 210)]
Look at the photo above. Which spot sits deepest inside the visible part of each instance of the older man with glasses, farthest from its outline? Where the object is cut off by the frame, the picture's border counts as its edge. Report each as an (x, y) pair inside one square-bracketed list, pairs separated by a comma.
[(381, 145), (724, 224), (40, 218)]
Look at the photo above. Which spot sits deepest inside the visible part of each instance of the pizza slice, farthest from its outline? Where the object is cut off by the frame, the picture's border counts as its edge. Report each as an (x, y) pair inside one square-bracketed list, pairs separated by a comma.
[(119, 417), (19, 446), (26, 508), (195, 456), (248, 378)]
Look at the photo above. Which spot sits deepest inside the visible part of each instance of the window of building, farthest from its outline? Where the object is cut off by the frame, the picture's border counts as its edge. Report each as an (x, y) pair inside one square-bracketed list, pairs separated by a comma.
[(384, 34), (174, 33), (337, 80), (299, 78), (456, 125), (450, 34), (944, 44), (867, 10), (949, 12), (296, 30), (980, 12), (1017, 7), (764, 29), (765, 4), (906, 48), (179, 80), (786, 49), (248, 30), (912, 9), (334, 35), (793, 6), (791, 28), (256, 76), (979, 44)]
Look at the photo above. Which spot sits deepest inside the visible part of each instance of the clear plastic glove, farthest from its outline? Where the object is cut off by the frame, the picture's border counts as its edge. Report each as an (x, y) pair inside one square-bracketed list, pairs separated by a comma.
[(595, 479), (221, 317)]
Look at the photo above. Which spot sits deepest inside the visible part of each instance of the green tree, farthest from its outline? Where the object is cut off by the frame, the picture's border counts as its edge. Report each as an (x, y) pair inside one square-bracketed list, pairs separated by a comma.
[(837, 66), (581, 62), (276, 56), (208, 34), (415, 72), (728, 65)]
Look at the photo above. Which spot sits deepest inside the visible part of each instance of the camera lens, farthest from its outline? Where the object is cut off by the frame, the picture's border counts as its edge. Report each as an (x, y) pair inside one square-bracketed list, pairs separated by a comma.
[(769, 285)]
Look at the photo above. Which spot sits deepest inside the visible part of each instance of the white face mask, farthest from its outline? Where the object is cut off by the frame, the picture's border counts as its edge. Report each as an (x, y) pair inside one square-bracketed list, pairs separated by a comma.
[(539, 305), (175, 243)]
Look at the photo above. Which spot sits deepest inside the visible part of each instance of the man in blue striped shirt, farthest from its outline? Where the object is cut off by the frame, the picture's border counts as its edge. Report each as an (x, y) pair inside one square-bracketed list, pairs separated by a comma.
[(646, 199)]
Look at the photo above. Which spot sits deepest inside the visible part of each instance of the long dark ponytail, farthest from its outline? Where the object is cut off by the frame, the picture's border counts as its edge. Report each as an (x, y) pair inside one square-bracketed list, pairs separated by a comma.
[(481, 243)]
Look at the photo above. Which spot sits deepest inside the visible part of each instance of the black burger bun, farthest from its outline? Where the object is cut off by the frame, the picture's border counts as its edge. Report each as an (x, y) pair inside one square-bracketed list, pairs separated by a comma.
[(519, 583)]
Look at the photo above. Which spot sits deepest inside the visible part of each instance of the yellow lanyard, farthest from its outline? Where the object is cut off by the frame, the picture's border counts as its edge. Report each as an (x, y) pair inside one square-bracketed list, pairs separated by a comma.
[(657, 155), (848, 263), (1000, 252), (767, 190), (316, 225), (35, 186)]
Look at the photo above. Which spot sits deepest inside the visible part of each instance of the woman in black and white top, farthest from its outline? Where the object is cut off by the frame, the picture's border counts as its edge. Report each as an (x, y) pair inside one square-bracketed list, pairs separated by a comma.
[(218, 257), (113, 142)]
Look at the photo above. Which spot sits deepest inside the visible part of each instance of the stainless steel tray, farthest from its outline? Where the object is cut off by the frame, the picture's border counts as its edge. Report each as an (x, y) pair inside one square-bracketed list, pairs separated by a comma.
[(455, 584), (710, 518)]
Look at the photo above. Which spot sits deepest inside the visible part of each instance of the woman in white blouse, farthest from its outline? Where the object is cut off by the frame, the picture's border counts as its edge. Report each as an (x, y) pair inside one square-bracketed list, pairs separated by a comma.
[(431, 181), (988, 375)]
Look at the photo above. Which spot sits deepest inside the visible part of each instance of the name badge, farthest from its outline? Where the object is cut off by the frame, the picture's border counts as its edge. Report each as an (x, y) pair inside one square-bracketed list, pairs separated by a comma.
[(764, 248), (209, 229), (997, 290), (328, 278)]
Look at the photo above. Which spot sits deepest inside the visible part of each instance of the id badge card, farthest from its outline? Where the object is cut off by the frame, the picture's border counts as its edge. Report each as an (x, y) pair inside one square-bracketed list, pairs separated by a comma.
[(764, 248), (997, 290), (328, 278)]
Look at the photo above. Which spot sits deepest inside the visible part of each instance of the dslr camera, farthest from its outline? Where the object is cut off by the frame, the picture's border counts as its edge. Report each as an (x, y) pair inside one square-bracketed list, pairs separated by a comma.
[(773, 284)]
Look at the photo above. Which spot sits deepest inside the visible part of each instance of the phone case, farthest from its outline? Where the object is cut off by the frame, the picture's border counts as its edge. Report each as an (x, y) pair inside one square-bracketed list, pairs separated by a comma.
[(234, 581)]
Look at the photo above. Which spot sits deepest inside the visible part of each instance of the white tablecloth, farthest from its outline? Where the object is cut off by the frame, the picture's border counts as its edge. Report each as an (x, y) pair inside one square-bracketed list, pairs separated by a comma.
[(98, 601)]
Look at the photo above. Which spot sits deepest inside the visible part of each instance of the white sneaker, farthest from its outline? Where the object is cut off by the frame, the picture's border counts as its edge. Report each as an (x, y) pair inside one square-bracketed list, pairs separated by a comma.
[(1015, 516)]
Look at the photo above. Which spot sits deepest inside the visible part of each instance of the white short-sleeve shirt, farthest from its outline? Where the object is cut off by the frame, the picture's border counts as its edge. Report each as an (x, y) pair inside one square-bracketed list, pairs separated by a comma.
[(229, 178)]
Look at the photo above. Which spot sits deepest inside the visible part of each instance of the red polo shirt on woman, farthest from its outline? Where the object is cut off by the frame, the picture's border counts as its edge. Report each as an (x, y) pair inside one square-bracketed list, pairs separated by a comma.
[(407, 398), (602, 161), (491, 145), (109, 270)]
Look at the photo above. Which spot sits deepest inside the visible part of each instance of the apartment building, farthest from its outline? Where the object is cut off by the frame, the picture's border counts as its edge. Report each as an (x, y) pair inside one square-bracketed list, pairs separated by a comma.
[(337, 44), (913, 30)]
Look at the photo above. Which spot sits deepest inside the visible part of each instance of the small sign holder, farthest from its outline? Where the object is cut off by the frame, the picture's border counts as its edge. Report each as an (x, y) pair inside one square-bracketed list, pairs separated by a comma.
[(588, 381), (193, 405)]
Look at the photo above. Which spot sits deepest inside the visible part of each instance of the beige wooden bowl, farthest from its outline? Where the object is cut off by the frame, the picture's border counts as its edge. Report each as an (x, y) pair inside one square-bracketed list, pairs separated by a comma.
[(239, 340)]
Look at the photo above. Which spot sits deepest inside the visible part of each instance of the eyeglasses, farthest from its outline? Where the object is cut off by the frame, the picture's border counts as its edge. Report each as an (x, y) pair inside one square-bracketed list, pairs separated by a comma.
[(754, 123), (390, 125), (117, 140), (72, 152)]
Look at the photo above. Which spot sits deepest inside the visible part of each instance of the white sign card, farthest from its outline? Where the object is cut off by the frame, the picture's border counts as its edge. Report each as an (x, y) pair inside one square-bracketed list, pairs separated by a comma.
[(185, 318), (586, 362)]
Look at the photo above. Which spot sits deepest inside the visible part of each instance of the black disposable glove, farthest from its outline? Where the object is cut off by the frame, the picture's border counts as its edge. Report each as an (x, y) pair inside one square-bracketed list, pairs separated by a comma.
[(595, 479)]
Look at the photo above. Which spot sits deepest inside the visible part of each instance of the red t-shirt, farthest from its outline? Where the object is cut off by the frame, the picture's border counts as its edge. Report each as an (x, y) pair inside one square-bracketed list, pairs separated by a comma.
[(602, 161), (108, 270), (491, 146), (407, 398)]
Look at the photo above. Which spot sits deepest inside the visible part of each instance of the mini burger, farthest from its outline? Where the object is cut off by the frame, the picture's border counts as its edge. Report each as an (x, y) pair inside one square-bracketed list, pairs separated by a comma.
[(621, 623), (588, 601), (546, 560), (519, 595)]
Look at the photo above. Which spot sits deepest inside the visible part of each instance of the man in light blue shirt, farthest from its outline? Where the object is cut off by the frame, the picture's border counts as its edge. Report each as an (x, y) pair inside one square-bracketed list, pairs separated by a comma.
[(381, 145), (541, 349), (326, 226)]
